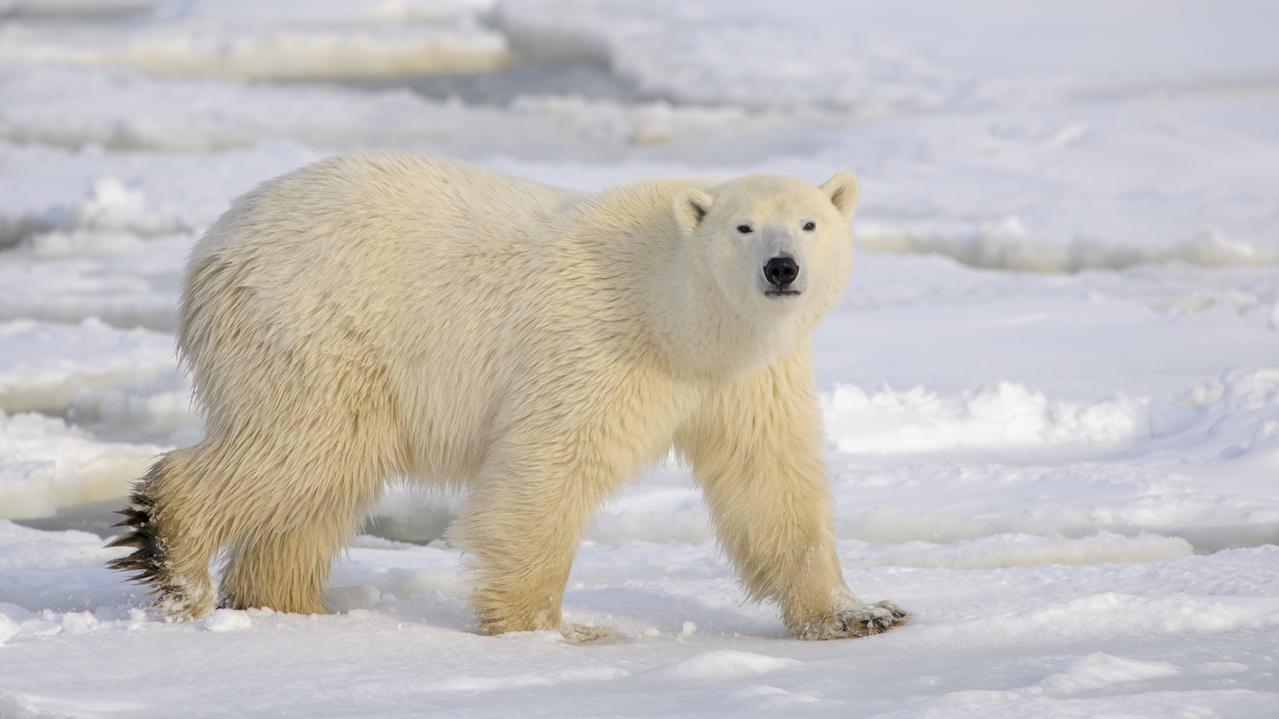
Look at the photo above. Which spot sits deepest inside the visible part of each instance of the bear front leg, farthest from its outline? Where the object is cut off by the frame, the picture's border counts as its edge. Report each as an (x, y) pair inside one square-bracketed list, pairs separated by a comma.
[(756, 453)]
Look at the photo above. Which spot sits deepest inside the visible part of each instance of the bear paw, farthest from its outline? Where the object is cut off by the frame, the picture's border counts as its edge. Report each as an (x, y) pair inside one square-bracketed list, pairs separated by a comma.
[(857, 621)]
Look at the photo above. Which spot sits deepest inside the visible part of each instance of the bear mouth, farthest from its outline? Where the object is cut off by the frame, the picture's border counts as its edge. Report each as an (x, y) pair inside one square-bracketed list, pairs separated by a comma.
[(781, 293)]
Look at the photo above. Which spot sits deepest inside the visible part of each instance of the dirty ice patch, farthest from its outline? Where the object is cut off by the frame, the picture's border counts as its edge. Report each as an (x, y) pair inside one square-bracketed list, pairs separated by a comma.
[(43, 365), (353, 13), (1007, 415), (294, 50)]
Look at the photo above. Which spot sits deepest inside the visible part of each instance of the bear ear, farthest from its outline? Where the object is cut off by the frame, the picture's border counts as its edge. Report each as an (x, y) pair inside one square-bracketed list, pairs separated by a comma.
[(691, 206), (842, 189)]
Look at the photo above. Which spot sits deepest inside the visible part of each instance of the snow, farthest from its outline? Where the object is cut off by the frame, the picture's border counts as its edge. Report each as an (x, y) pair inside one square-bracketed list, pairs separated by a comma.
[(724, 664), (226, 620), (1006, 415), (1051, 391)]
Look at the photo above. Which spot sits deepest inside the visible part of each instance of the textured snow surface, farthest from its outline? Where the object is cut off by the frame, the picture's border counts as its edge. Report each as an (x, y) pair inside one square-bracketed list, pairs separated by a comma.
[(1051, 390)]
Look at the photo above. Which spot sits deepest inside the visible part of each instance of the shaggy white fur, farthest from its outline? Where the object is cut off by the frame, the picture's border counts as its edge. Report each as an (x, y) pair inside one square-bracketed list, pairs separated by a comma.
[(382, 315)]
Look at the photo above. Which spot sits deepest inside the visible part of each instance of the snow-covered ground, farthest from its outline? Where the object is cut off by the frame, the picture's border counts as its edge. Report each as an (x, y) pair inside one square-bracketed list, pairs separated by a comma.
[(1051, 389)]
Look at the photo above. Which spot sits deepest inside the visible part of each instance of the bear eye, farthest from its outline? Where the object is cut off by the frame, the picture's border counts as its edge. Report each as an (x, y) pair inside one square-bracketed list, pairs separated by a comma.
[(744, 229), (810, 226)]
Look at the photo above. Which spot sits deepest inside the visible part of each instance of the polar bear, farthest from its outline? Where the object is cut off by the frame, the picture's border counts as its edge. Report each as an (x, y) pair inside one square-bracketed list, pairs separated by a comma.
[(387, 315)]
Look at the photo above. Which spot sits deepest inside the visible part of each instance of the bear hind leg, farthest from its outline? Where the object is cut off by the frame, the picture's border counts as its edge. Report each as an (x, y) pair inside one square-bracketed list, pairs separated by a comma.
[(167, 526), (284, 512), (283, 562)]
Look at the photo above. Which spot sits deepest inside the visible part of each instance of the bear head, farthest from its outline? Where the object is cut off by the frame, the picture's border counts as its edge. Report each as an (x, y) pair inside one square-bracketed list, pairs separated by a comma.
[(777, 249)]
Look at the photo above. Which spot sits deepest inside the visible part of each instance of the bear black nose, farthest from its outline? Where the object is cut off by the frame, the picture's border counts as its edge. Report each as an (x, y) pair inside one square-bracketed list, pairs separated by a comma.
[(781, 271)]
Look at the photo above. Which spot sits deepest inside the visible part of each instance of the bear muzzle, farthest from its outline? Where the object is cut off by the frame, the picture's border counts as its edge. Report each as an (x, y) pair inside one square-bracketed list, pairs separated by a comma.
[(780, 273)]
